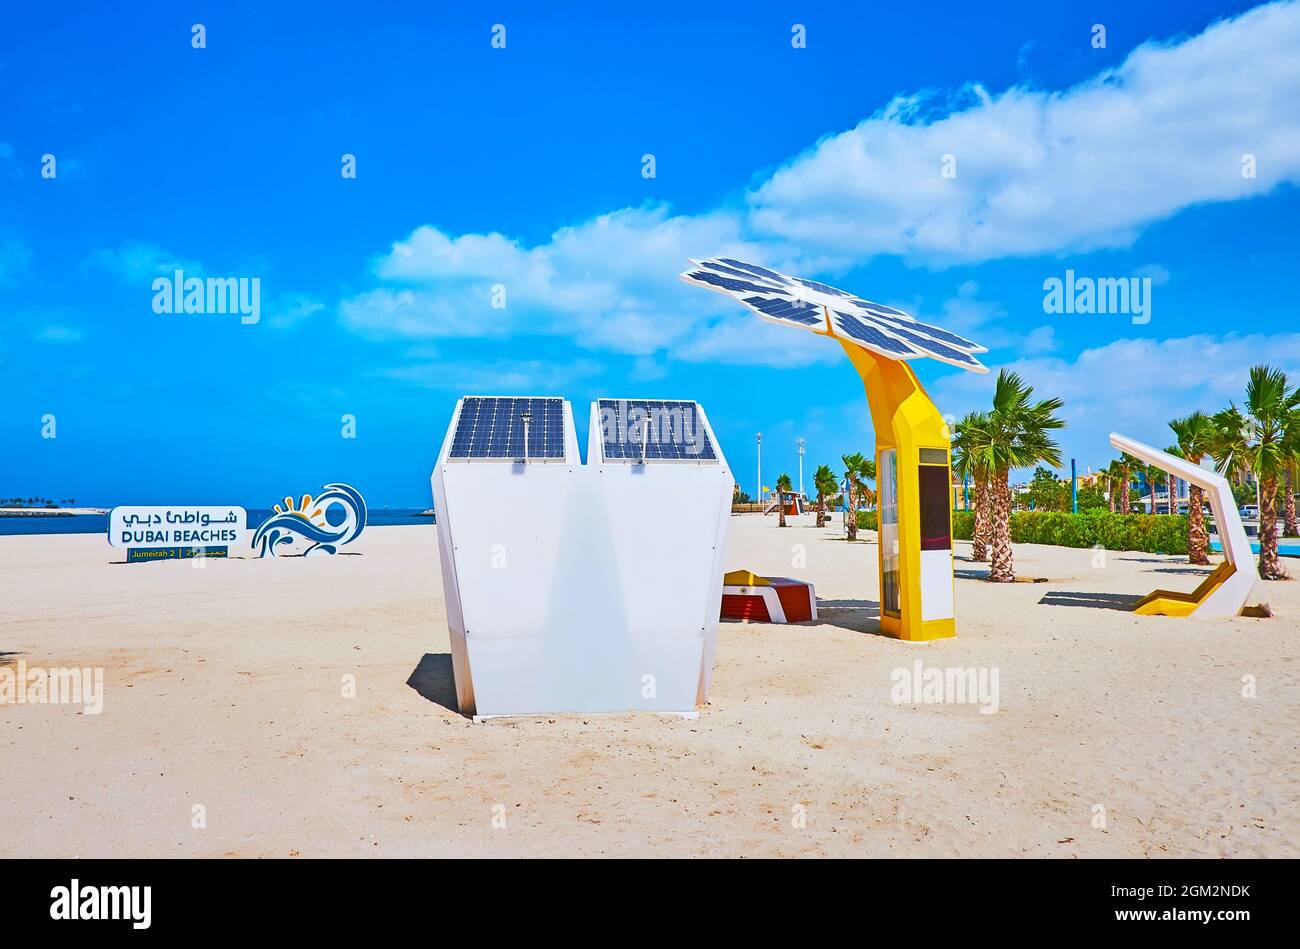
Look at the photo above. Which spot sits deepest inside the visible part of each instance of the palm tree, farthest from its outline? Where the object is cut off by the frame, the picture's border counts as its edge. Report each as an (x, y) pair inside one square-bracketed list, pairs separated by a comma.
[(1260, 439), (1154, 476), (783, 487), (1114, 476), (825, 483), (1128, 464), (967, 462), (867, 472), (1018, 437), (1290, 528), (868, 469), (1195, 440), (1230, 445), (853, 467)]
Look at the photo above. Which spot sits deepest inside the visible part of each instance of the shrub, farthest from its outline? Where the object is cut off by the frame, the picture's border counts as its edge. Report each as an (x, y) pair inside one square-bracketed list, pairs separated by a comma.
[(1151, 533), (963, 525), (866, 520)]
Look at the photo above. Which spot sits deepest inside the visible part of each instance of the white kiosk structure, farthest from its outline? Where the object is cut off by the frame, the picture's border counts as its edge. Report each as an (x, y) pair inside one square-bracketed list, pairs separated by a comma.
[(576, 587), (1225, 591)]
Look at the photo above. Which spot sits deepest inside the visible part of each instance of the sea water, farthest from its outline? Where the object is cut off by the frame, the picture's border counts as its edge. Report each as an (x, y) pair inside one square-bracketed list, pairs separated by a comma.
[(98, 523)]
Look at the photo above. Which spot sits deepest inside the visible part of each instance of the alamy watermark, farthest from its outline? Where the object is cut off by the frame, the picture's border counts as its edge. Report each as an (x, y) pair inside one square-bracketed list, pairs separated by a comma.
[(628, 424), (945, 686), (1099, 295), (181, 294), (21, 685), (133, 904)]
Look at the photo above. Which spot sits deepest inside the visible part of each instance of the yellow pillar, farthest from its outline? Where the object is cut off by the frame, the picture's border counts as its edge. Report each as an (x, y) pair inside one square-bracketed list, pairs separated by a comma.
[(909, 426)]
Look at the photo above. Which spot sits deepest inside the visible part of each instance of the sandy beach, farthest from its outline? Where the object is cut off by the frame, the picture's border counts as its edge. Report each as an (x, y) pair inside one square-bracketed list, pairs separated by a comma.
[(224, 707)]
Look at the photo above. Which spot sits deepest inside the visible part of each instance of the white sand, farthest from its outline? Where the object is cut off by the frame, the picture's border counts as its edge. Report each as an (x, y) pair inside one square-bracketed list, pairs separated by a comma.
[(223, 689)]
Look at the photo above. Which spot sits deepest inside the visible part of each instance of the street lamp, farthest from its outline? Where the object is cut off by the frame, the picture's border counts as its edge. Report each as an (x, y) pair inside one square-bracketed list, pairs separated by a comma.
[(758, 495), (801, 443)]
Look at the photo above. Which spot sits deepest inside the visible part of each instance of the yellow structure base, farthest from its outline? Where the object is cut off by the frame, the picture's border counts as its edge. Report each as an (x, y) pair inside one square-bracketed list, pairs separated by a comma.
[(917, 632), (906, 422), (1167, 603)]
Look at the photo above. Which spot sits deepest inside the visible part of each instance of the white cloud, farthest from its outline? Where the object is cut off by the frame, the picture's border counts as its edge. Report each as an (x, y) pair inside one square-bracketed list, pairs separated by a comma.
[(1037, 172), (739, 339), (8, 161), (140, 262), (495, 377), (59, 334), (289, 309), (1041, 172), (610, 283), (15, 257), (1134, 386)]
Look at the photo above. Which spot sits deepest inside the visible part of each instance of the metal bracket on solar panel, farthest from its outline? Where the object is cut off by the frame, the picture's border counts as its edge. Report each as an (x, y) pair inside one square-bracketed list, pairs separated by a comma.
[(526, 417), (645, 437)]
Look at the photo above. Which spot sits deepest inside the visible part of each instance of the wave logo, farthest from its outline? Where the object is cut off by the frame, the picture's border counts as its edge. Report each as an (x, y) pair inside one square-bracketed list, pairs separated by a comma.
[(324, 523)]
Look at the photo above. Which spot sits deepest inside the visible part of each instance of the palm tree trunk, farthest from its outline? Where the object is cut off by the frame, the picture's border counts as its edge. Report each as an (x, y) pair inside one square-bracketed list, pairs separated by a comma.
[(1198, 540), (1270, 564), (821, 509), (1123, 493), (980, 535), (1110, 496), (853, 514), (1003, 569), (780, 508), (1291, 529)]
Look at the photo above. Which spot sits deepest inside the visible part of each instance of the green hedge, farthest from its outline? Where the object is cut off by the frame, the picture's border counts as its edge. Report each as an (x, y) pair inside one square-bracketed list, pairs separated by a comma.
[(866, 520), (1152, 533)]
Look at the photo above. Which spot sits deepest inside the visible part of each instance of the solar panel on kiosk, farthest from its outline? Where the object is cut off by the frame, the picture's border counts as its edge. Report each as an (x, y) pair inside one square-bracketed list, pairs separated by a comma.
[(671, 431), (493, 428), (829, 311)]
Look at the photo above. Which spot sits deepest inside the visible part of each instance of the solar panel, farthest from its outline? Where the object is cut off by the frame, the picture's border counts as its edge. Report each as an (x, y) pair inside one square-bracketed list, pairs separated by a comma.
[(889, 315), (492, 428), (731, 283), (653, 429), (787, 310), (824, 288), (859, 329), (723, 268), (757, 270), (809, 304), (928, 346)]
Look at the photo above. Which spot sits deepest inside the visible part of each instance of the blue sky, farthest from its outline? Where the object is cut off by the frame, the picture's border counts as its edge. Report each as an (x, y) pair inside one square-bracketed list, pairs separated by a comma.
[(522, 167)]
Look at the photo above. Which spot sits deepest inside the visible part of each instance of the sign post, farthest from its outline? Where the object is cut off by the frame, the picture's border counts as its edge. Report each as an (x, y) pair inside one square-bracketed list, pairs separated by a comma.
[(175, 533)]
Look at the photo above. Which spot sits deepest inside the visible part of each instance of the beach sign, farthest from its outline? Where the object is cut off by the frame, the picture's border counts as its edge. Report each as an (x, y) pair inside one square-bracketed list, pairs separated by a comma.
[(172, 533), (315, 525)]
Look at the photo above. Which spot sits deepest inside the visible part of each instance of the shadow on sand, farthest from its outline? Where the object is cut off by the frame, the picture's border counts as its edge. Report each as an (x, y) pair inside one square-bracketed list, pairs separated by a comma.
[(860, 616), (433, 680), (1123, 602)]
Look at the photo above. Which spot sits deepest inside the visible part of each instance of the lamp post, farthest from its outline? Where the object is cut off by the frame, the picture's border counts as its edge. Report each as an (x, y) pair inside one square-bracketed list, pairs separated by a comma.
[(801, 443), (758, 495), (526, 417), (1074, 488)]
